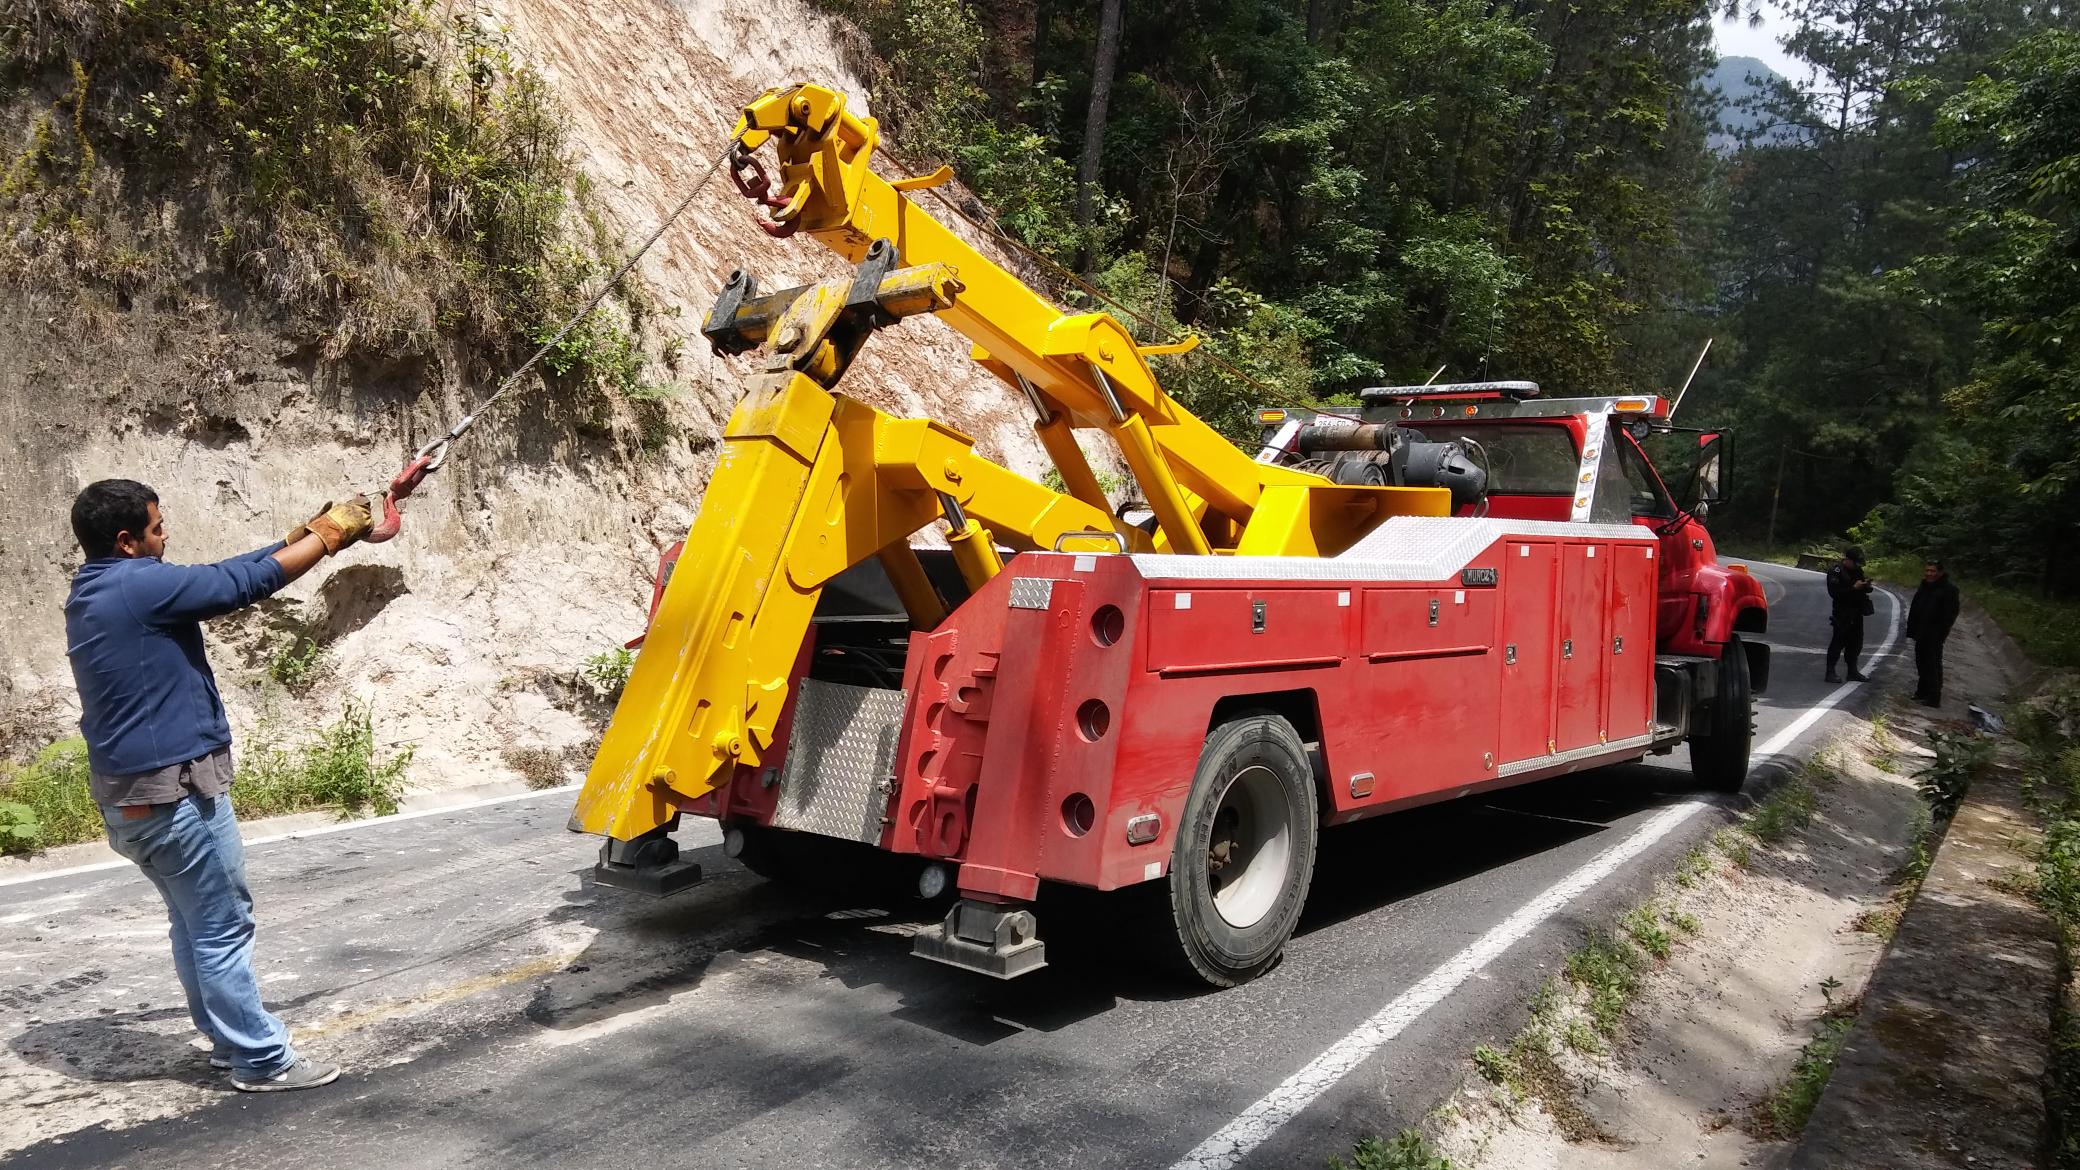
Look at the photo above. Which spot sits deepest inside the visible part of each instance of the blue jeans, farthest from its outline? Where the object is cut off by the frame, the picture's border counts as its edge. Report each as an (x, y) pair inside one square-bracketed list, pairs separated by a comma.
[(191, 851)]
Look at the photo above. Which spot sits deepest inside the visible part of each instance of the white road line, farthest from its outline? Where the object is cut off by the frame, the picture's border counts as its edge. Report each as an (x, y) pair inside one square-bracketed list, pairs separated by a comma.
[(1257, 1123), (299, 834)]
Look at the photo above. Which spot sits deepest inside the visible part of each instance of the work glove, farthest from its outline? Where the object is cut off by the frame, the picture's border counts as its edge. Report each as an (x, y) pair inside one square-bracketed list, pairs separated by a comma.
[(340, 525), (304, 529)]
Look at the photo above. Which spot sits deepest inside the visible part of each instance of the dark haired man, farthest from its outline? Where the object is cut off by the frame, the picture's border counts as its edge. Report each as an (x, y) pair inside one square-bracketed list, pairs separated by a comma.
[(159, 747), (1849, 598), (1929, 620)]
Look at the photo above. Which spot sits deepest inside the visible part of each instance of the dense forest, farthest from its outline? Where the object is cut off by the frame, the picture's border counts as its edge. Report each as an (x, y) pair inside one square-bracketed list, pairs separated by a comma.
[(1336, 193)]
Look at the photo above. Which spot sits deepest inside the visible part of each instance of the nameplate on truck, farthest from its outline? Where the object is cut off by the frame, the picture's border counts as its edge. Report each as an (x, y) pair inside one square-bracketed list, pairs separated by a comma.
[(1476, 576)]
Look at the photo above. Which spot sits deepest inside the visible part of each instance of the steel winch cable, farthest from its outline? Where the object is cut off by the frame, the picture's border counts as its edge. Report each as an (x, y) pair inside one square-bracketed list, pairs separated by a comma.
[(433, 455)]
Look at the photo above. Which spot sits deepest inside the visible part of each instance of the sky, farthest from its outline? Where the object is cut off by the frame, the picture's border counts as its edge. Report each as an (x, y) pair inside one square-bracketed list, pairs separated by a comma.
[(1736, 39)]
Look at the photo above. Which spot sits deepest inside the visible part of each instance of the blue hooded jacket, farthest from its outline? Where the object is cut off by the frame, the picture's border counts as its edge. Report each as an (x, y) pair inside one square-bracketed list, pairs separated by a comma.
[(132, 629)]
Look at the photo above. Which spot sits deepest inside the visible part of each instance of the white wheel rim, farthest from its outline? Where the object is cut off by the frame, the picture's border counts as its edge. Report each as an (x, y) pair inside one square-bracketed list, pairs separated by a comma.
[(1251, 847)]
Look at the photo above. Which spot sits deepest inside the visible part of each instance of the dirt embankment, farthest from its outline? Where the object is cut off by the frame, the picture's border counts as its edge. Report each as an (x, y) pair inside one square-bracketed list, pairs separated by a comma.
[(535, 548)]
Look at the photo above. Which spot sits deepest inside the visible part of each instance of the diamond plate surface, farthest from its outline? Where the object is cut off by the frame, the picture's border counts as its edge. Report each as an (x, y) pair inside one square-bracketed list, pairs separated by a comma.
[(1404, 548), (1031, 592), (841, 756)]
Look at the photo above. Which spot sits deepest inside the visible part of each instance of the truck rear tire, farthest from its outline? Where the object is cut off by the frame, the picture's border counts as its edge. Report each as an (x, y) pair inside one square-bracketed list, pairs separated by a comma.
[(1719, 759), (1244, 852)]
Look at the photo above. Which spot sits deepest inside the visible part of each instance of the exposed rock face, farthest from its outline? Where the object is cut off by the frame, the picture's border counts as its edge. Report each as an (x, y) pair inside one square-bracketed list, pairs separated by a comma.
[(534, 548)]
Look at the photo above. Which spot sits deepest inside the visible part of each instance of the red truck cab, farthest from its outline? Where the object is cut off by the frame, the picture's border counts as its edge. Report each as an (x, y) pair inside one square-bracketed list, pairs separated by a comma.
[(1579, 459)]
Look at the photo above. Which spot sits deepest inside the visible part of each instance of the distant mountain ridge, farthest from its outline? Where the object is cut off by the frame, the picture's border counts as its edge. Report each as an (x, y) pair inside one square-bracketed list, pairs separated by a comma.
[(1732, 80)]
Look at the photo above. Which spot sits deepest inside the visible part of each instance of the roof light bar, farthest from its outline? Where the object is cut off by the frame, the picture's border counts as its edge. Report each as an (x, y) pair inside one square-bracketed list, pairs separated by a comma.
[(1516, 390)]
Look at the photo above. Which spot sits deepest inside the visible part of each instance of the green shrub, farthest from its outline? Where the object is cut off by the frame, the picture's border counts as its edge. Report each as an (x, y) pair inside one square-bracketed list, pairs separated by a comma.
[(1785, 1114), (1960, 757), (1608, 969), (296, 665), (19, 828), (1494, 1066), (340, 144), (339, 769), (607, 671), (1644, 927), (1581, 1036), (1407, 1151), (50, 801)]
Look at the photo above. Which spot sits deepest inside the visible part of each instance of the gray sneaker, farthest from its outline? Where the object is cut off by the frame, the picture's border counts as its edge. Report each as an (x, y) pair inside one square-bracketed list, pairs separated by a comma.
[(220, 1059), (304, 1074)]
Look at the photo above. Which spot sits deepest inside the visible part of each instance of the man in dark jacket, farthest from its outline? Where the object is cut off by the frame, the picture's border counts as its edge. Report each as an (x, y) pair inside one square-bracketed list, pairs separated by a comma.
[(159, 748), (1928, 622), (1849, 598)]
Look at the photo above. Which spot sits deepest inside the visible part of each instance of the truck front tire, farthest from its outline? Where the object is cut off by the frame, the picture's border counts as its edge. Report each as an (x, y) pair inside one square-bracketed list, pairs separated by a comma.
[(1719, 758), (1244, 853)]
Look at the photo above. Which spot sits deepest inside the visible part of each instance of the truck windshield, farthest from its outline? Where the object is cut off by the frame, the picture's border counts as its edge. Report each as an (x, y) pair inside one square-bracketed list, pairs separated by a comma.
[(1524, 459)]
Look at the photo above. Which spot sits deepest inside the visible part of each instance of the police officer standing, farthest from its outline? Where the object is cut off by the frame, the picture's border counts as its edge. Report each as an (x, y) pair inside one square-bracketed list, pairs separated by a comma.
[(1849, 593), (1928, 623)]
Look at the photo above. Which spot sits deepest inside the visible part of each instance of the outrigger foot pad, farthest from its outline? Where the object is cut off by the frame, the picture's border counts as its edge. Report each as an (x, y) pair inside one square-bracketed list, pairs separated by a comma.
[(655, 880), (650, 864), (998, 941)]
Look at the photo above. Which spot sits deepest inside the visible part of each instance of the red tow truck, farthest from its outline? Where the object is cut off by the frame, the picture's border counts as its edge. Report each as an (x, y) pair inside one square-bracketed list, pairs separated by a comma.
[(1455, 589)]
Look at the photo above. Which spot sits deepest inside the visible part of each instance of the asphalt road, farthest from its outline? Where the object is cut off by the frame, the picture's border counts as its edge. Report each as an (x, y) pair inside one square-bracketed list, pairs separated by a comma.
[(496, 1009)]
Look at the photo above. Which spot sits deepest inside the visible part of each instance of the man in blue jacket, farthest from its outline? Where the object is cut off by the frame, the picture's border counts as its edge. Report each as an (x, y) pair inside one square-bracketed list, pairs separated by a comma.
[(159, 746)]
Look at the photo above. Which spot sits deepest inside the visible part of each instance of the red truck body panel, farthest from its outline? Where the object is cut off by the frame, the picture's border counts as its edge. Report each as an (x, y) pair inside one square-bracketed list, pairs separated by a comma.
[(1073, 694)]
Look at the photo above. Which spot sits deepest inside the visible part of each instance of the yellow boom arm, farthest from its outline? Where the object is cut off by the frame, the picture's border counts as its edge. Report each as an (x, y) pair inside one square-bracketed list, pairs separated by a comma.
[(811, 482)]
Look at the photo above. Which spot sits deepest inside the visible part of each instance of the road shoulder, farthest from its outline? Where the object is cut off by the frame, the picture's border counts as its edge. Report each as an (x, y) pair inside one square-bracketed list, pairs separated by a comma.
[(1767, 943), (1947, 1061)]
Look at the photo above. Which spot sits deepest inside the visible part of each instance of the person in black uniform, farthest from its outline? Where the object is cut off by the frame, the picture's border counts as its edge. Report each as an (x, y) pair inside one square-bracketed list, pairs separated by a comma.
[(1849, 593), (1928, 622)]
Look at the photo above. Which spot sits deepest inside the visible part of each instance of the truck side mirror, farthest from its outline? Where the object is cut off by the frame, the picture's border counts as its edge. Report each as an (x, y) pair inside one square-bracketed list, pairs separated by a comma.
[(1706, 480)]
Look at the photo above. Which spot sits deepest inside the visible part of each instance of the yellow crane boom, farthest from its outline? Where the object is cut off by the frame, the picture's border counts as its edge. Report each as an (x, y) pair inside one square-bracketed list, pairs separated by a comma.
[(811, 482)]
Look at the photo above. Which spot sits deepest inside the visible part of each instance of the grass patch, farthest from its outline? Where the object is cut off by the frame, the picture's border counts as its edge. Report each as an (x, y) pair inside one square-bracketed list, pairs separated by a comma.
[(1683, 920), (1884, 753), (1536, 1073), (1881, 920), (1784, 1114), (1696, 866), (392, 176), (2046, 726), (1607, 969), (47, 802), (1407, 1150), (539, 767), (1643, 926), (338, 769), (1790, 807), (1493, 1065), (1579, 1036), (607, 671), (296, 664), (1737, 846)]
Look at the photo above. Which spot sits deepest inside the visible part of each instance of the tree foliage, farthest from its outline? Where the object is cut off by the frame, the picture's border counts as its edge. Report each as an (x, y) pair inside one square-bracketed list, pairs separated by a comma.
[(1338, 193), (2000, 480)]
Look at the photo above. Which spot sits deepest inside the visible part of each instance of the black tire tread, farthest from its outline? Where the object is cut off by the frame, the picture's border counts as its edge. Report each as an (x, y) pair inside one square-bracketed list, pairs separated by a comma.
[(1719, 760), (1168, 902)]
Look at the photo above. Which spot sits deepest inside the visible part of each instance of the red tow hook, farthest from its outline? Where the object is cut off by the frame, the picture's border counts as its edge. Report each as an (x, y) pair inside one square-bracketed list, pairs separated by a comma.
[(387, 527)]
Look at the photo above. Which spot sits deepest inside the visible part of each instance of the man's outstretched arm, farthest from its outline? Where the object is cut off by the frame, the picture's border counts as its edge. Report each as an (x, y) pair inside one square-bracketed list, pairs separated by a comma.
[(174, 593)]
